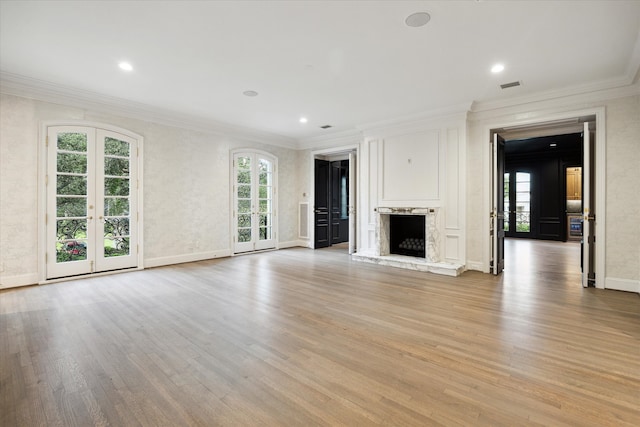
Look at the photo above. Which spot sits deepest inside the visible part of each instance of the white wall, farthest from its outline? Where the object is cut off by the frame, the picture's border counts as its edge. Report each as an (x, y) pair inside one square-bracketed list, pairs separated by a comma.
[(186, 187), (416, 165)]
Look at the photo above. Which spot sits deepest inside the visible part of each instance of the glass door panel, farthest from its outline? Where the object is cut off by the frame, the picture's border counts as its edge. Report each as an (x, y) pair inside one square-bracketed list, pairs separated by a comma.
[(90, 198), (265, 204), (69, 190), (116, 183), (507, 211), (523, 202), (253, 195)]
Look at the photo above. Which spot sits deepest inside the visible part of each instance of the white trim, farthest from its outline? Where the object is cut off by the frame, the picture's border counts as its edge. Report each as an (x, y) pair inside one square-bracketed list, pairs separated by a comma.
[(598, 92), (14, 84), (292, 244), (16, 281), (180, 259), (600, 166), (475, 266), (622, 284), (312, 190)]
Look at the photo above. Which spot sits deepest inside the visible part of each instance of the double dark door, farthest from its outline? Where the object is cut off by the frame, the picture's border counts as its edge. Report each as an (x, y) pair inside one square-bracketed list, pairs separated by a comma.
[(331, 211)]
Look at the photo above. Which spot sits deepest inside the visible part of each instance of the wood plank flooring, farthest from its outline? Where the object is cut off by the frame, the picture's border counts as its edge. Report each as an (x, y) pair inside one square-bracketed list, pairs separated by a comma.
[(300, 338)]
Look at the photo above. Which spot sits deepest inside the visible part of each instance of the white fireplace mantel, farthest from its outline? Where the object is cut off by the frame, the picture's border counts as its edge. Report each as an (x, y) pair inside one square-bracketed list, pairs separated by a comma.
[(431, 262)]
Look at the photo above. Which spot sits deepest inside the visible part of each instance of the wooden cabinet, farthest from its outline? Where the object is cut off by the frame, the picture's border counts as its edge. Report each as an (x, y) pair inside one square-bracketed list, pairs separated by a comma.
[(574, 183)]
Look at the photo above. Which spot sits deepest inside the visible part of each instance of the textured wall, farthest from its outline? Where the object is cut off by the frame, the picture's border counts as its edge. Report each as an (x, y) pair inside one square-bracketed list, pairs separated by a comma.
[(186, 186), (623, 194)]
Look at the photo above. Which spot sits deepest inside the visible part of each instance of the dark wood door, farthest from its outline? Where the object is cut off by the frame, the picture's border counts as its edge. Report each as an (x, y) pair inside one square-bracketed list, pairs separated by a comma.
[(322, 214), (339, 201), (497, 263)]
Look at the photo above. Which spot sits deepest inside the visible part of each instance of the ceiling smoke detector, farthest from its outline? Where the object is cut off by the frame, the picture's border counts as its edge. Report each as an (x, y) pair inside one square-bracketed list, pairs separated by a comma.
[(418, 19), (508, 85)]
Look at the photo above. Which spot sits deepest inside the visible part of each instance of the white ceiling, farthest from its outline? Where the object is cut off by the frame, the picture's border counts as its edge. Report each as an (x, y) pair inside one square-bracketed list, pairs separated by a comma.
[(342, 63)]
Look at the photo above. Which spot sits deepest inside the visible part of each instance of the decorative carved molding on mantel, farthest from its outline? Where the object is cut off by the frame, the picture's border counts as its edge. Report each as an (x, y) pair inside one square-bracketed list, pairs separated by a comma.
[(406, 211)]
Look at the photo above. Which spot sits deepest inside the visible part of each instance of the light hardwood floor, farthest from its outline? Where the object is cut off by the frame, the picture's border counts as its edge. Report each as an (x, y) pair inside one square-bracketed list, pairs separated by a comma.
[(300, 337)]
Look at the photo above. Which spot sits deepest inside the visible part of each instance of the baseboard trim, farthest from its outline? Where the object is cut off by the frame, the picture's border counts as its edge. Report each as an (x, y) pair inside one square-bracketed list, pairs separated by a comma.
[(475, 266), (622, 284), (180, 259), (7, 282), (292, 244)]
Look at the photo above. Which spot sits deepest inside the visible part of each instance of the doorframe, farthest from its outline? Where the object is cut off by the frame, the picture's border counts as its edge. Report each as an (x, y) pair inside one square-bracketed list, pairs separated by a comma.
[(232, 182), (600, 177), (343, 149), (42, 195)]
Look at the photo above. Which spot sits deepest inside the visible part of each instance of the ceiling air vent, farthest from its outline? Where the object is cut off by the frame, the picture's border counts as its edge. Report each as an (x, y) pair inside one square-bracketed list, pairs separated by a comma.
[(508, 85), (325, 127)]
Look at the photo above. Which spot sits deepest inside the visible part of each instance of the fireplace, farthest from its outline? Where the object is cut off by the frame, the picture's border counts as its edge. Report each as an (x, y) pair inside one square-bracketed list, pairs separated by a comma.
[(407, 235), (408, 232)]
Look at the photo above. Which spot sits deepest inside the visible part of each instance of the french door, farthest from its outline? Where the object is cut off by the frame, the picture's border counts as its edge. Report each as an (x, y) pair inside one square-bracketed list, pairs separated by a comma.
[(254, 203), (91, 186)]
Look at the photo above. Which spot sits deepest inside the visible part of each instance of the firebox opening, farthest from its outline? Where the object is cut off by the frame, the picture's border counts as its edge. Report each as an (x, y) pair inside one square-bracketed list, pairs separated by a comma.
[(407, 235)]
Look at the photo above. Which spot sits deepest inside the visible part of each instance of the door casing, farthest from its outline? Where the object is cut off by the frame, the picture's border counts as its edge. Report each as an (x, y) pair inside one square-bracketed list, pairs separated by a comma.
[(550, 120)]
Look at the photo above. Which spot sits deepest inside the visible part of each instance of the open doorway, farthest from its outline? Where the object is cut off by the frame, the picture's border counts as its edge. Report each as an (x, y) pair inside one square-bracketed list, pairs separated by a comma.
[(536, 196), (334, 196)]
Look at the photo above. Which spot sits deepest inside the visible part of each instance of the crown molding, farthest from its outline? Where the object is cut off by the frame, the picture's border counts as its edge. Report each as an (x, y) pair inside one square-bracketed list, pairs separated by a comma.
[(445, 114), (595, 92), (352, 136), (633, 69), (18, 85)]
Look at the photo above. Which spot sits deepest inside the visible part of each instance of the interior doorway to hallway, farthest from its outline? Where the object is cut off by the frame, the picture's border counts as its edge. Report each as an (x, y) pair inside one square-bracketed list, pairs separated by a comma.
[(507, 217), (334, 198)]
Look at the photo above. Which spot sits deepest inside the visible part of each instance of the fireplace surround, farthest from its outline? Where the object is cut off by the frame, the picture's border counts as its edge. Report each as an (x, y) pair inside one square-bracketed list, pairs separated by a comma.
[(424, 253)]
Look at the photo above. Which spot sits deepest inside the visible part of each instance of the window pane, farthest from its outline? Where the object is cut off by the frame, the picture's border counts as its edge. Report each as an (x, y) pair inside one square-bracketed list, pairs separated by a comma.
[(72, 163), (74, 250), (116, 166), (265, 233), (116, 186), (116, 247), (71, 206), (265, 205), (265, 178), (264, 192), (116, 206), (115, 147), (243, 162), (71, 229), (244, 221), (71, 185), (244, 235), (244, 191), (244, 206), (116, 227), (264, 166), (244, 177), (72, 141), (265, 219)]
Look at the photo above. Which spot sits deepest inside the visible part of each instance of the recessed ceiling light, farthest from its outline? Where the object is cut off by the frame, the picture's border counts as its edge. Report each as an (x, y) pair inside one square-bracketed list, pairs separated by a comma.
[(125, 66), (497, 68), (553, 144), (303, 120), (417, 19), (250, 93)]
